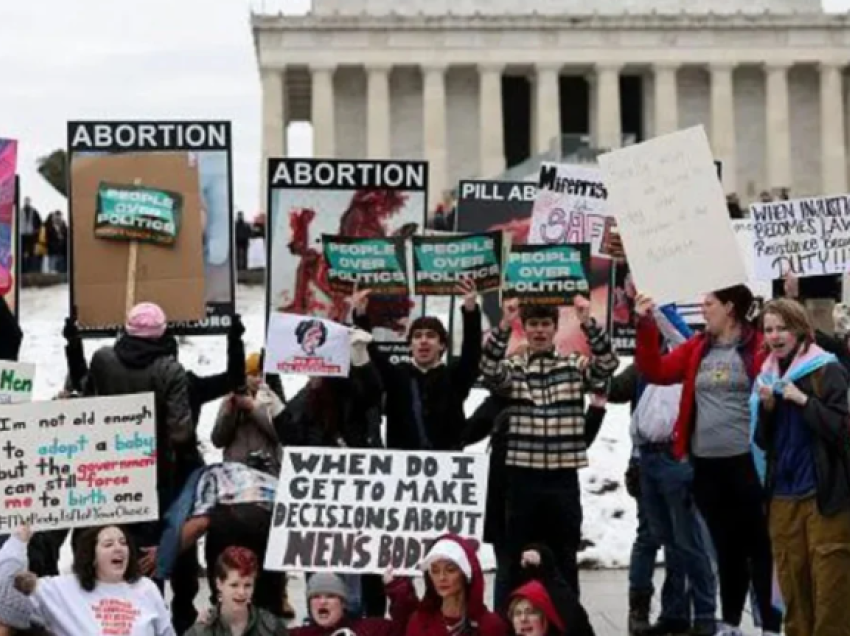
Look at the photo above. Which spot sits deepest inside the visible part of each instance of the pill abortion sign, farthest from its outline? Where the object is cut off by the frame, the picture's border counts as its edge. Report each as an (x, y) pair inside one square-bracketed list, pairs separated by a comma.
[(379, 264), (547, 274), (441, 262)]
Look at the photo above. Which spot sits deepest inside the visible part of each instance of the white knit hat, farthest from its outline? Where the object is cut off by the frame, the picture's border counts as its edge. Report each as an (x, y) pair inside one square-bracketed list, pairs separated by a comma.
[(448, 550)]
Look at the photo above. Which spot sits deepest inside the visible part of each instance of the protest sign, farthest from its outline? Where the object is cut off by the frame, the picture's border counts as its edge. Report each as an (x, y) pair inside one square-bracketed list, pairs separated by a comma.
[(136, 213), (440, 263), (364, 511), (10, 266), (547, 274), (745, 235), (358, 199), (78, 463), (16, 380), (571, 206), (803, 237), (505, 206), (307, 346), (672, 216), (193, 281), (379, 264), (623, 317)]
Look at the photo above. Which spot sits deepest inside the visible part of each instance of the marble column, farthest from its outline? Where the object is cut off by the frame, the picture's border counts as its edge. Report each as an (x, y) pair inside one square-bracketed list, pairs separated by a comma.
[(609, 132), (666, 98), (548, 106), (378, 109), (274, 123), (832, 133), (778, 129), (323, 114), (434, 130), (491, 132), (723, 123)]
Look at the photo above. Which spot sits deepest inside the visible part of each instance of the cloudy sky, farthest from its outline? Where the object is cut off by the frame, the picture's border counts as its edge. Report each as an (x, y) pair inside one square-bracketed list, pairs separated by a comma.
[(126, 59)]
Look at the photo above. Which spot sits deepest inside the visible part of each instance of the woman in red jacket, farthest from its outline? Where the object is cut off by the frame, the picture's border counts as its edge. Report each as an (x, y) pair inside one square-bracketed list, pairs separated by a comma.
[(717, 370), (453, 604)]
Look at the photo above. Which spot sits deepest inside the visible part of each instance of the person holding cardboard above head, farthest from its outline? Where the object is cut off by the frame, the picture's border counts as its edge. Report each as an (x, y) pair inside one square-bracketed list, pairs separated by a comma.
[(425, 397), (144, 360), (545, 438)]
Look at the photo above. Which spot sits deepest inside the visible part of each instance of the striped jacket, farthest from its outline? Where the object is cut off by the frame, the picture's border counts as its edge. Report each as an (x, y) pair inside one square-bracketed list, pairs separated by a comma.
[(546, 393)]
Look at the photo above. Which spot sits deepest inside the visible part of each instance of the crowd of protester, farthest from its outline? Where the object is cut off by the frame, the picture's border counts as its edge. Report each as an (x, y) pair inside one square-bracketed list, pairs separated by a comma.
[(741, 471)]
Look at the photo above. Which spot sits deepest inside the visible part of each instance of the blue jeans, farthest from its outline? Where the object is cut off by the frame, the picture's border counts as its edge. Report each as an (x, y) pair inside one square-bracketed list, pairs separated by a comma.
[(644, 555), (667, 492)]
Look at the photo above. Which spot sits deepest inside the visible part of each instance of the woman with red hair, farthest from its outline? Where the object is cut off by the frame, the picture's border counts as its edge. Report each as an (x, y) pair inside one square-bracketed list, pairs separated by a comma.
[(235, 574)]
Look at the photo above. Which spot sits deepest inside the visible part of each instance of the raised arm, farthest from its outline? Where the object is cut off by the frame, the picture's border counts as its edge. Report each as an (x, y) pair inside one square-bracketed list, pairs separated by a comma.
[(603, 358), (467, 368), (495, 374), (224, 431), (654, 367), (383, 365)]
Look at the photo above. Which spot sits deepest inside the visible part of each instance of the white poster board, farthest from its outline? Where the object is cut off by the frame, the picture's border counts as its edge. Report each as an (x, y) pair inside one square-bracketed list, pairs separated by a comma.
[(363, 511), (672, 215), (803, 237), (16, 382), (257, 253), (78, 463), (308, 346), (745, 235), (571, 206)]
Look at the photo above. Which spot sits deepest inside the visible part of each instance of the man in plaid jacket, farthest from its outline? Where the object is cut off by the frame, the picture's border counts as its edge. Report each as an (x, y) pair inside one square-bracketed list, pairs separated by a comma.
[(545, 429)]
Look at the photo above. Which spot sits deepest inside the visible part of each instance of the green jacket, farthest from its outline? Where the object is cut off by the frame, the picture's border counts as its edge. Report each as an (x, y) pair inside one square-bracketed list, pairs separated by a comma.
[(260, 623)]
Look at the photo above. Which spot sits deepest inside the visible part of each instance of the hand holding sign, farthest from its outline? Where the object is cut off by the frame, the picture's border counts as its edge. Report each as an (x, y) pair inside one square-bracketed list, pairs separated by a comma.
[(360, 300), (644, 305), (510, 312), (582, 307), (470, 294)]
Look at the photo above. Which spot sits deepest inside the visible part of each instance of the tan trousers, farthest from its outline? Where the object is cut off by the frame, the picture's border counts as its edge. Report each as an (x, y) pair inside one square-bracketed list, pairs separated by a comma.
[(812, 557)]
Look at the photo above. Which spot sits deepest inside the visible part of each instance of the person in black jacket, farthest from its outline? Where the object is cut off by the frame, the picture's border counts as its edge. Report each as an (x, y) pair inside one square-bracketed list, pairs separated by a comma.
[(425, 397), (555, 610), (201, 390), (11, 336)]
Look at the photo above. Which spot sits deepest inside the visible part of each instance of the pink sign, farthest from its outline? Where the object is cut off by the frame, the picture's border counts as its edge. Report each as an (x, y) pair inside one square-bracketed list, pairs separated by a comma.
[(8, 221)]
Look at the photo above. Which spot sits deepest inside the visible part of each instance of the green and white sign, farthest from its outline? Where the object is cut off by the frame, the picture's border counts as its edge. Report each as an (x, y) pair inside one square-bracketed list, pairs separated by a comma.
[(441, 262), (16, 381), (379, 264), (547, 274), (137, 213)]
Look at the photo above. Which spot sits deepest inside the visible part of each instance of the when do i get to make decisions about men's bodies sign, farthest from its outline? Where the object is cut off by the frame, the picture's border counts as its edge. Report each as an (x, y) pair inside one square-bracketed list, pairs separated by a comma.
[(352, 510)]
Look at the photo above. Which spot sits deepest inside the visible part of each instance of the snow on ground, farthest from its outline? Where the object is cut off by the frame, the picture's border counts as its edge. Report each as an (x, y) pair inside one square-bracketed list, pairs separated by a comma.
[(609, 513)]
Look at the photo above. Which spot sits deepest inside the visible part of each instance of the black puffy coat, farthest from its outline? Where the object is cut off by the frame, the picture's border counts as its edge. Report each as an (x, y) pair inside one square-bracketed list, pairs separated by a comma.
[(11, 335)]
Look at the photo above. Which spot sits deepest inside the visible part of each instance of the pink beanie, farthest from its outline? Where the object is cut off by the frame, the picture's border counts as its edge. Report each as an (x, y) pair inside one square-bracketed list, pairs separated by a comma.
[(146, 320)]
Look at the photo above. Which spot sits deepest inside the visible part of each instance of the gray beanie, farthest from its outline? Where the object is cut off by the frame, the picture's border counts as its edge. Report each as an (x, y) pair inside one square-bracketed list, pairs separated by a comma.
[(327, 583), (16, 609)]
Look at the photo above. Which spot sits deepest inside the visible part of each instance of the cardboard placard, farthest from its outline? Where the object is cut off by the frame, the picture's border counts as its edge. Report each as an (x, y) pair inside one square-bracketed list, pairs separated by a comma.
[(16, 382), (354, 198), (672, 215), (137, 213), (366, 263), (9, 259), (547, 274), (440, 263), (307, 346), (506, 206), (78, 463), (363, 511), (194, 281), (745, 234), (803, 237)]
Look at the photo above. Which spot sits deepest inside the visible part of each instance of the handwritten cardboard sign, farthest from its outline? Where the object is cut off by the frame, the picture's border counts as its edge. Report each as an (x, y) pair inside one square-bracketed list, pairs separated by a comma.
[(347, 510), (441, 262), (804, 237), (672, 216), (136, 213), (309, 346), (16, 380), (78, 463)]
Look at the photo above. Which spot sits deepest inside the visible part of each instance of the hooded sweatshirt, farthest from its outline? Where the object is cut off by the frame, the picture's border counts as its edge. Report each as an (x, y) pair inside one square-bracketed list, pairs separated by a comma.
[(428, 618), (544, 588)]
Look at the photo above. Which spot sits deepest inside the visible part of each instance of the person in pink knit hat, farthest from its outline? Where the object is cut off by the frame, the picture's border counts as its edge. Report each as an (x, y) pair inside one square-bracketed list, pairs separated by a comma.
[(144, 360)]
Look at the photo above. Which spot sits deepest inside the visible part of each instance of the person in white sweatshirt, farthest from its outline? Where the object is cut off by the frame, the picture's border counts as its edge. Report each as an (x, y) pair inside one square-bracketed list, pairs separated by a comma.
[(104, 595)]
